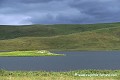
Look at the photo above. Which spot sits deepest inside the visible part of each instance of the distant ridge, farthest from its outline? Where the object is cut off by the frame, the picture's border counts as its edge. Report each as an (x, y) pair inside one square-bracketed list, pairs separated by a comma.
[(104, 36)]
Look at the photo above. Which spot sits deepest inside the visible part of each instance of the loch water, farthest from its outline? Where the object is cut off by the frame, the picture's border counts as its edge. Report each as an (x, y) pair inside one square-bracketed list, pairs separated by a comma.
[(74, 60)]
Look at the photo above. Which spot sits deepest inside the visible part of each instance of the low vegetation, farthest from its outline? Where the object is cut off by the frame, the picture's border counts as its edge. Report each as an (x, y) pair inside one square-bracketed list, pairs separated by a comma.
[(11, 32), (29, 53), (71, 75), (61, 37), (99, 39)]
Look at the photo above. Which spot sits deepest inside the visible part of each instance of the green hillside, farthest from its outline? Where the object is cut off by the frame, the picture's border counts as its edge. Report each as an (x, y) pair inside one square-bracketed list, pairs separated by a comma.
[(11, 32), (61, 37)]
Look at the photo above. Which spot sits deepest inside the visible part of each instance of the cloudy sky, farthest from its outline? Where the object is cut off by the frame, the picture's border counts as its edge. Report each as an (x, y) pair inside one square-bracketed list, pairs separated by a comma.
[(21, 12)]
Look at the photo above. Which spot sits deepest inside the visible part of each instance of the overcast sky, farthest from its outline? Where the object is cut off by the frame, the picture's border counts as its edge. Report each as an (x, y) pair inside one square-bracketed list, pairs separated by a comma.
[(19, 12)]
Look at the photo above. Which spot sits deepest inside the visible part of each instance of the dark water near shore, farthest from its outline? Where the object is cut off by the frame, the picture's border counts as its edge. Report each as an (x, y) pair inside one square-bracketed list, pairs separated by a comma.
[(72, 61)]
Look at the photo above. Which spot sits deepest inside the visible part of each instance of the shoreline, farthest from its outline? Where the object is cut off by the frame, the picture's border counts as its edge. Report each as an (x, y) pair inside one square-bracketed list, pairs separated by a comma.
[(35, 53)]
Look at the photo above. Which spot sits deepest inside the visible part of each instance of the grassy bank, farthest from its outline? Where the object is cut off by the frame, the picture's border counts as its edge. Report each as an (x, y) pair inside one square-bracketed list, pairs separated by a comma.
[(71, 75), (29, 53)]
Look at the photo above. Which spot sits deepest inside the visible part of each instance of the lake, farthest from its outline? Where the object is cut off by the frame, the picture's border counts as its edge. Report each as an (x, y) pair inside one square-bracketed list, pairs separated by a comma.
[(72, 61)]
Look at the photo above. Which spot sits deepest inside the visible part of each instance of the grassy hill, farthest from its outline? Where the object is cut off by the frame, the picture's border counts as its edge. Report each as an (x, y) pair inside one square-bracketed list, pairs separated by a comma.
[(61, 37), (10, 32)]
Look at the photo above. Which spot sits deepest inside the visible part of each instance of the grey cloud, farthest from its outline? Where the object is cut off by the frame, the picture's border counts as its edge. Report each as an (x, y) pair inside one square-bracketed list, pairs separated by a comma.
[(68, 17), (103, 10), (36, 1), (58, 11), (25, 1)]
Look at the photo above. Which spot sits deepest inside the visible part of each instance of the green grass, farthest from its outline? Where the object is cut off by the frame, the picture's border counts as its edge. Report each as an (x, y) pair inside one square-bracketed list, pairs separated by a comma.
[(10, 32), (28, 53), (61, 37), (70, 75), (100, 39)]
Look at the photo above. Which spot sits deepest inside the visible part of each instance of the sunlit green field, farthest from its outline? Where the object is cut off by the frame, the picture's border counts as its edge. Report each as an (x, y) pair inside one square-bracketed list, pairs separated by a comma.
[(42, 75), (29, 53)]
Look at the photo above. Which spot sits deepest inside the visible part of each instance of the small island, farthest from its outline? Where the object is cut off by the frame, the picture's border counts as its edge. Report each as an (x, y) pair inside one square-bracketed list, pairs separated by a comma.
[(28, 53)]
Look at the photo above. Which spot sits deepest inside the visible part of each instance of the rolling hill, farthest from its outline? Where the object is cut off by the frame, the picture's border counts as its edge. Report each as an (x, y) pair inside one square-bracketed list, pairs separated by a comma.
[(61, 37)]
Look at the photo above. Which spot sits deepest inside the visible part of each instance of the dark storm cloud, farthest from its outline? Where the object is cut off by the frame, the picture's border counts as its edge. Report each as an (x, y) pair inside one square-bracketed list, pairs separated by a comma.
[(36, 1), (58, 11), (101, 10), (25, 1)]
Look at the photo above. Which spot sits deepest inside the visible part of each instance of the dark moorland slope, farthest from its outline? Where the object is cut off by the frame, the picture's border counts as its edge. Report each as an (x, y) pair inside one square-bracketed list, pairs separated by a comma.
[(61, 37)]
